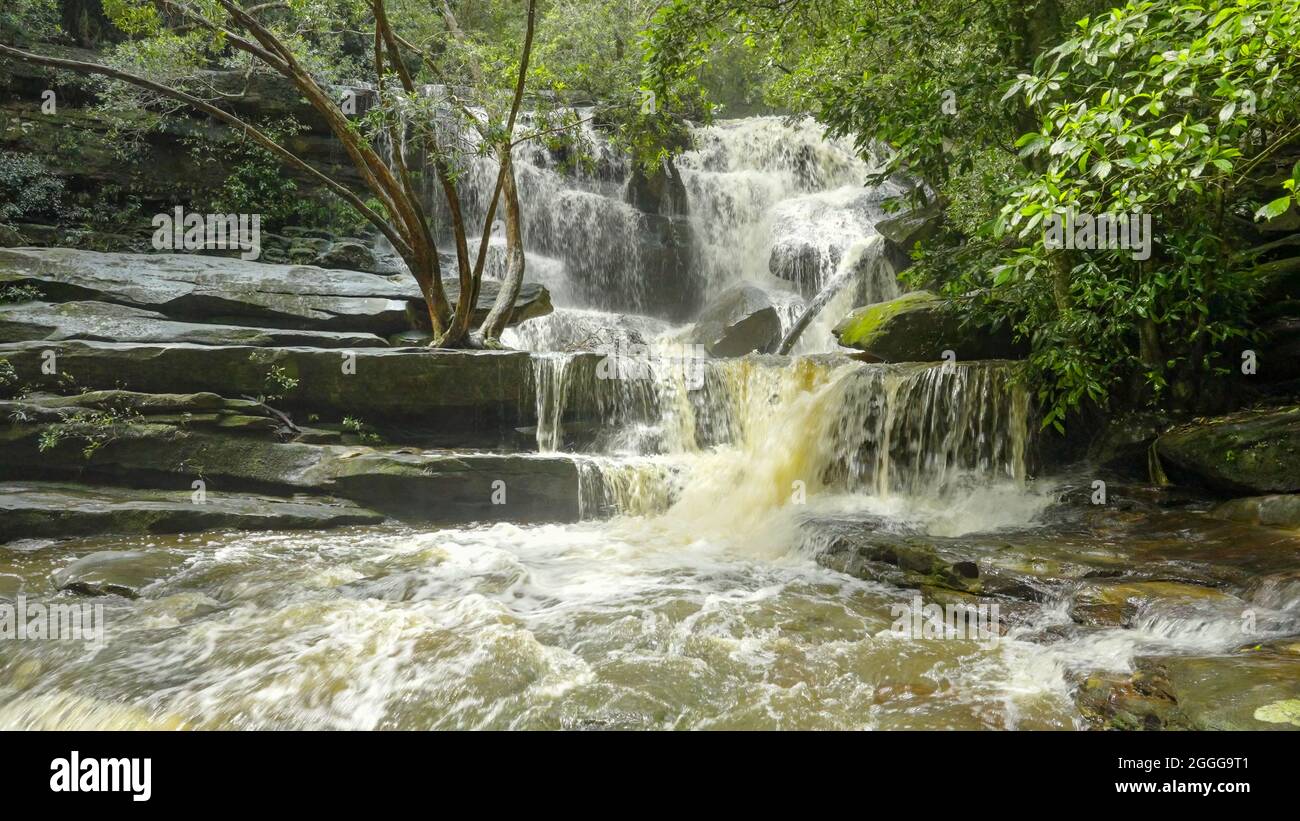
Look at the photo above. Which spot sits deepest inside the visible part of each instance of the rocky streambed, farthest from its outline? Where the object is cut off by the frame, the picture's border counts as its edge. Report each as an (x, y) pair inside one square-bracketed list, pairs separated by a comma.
[(296, 522)]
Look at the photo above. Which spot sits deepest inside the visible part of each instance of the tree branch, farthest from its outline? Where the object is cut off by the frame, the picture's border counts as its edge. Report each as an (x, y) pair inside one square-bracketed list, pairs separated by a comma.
[(247, 129)]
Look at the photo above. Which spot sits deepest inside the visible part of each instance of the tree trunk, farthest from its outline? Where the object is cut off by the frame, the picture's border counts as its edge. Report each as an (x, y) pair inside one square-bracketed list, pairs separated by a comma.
[(504, 307), (814, 308)]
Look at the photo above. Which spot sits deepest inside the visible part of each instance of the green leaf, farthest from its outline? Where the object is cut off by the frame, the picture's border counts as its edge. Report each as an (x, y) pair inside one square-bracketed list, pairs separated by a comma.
[(1276, 208)]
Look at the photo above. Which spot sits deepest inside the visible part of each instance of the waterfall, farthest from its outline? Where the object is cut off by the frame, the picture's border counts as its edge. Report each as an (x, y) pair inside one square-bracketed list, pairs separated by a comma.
[(763, 200), (766, 428), (778, 204)]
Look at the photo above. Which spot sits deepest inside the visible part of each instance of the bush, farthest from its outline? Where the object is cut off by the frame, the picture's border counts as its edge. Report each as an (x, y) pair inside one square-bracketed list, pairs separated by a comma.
[(27, 189)]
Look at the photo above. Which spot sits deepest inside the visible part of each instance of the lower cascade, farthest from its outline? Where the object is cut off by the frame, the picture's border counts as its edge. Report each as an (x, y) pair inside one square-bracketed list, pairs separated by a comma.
[(763, 431)]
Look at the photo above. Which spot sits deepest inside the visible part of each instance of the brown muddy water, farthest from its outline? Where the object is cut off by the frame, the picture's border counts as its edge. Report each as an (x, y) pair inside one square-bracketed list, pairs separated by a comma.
[(699, 604)]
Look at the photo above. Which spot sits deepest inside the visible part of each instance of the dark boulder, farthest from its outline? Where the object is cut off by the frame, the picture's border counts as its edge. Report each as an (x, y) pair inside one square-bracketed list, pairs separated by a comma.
[(741, 320), (1253, 452)]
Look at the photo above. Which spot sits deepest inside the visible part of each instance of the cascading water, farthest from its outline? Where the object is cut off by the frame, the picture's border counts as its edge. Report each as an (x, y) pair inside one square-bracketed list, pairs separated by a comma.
[(775, 203), (766, 423), (763, 201), (688, 597)]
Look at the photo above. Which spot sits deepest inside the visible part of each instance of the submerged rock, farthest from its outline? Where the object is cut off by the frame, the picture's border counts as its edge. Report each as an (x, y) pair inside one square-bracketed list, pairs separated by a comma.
[(920, 327), (741, 320), (1120, 604), (1256, 452), (58, 510), (907, 560), (1270, 511), (116, 572)]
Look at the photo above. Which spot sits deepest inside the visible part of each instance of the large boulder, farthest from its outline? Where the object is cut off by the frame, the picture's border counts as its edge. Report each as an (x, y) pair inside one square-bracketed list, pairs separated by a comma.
[(912, 226), (816, 236), (920, 327), (349, 255), (240, 292), (57, 510), (107, 322), (739, 321), (1253, 452)]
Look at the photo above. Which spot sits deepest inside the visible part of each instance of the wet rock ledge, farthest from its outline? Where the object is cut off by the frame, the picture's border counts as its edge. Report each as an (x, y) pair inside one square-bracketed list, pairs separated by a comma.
[(158, 393)]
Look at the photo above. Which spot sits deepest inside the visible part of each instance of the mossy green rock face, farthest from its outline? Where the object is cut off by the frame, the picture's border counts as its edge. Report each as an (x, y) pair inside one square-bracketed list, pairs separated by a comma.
[(1252, 452), (57, 510), (920, 327)]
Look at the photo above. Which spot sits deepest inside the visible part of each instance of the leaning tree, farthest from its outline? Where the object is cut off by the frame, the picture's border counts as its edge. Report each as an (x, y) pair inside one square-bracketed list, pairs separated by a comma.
[(284, 38)]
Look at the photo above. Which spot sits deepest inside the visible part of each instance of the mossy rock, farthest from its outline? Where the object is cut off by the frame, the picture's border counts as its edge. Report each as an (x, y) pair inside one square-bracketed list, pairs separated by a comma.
[(920, 327), (1254, 452)]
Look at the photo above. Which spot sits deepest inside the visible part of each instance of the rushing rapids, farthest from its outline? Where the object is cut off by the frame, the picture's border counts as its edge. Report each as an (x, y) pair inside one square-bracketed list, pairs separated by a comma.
[(694, 592)]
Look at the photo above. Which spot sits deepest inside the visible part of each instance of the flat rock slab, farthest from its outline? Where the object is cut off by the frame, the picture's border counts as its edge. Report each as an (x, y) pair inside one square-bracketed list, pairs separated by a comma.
[(412, 484), (192, 285), (457, 389), (59, 509), (241, 292), (107, 322)]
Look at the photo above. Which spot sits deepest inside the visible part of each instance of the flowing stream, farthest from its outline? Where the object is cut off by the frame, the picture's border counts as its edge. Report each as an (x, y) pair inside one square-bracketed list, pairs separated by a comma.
[(689, 596)]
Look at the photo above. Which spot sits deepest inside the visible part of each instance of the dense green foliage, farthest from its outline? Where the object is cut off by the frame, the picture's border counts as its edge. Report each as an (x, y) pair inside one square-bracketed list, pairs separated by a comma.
[(27, 189), (1013, 113)]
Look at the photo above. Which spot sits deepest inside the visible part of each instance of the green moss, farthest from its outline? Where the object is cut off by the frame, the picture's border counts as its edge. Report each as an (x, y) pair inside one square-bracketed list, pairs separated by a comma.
[(862, 326)]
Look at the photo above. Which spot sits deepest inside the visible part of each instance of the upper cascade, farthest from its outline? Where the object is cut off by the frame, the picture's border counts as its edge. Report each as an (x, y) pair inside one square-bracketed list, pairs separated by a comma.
[(767, 201)]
